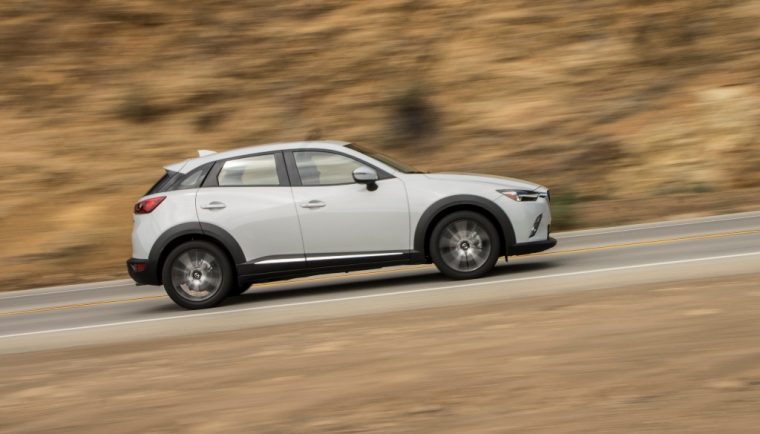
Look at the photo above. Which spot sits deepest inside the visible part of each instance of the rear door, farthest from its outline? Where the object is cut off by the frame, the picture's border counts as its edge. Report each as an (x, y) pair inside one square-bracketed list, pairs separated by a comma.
[(251, 199)]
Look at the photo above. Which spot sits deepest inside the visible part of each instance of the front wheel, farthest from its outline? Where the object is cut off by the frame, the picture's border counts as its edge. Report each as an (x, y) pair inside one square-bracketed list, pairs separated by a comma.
[(464, 245), (198, 275)]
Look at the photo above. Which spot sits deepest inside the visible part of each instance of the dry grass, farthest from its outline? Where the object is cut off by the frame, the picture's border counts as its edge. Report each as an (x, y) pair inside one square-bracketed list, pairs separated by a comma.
[(617, 101)]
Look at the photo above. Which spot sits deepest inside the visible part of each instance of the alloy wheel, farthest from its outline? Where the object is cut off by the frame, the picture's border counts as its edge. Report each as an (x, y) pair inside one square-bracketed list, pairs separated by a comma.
[(196, 275), (464, 245)]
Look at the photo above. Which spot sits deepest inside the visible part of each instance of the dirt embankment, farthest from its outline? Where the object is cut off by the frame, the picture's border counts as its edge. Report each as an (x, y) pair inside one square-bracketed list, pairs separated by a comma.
[(608, 102), (681, 357)]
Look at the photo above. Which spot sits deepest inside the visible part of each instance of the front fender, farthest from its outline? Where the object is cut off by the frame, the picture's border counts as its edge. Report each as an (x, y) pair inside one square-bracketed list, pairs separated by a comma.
[(442, 206)]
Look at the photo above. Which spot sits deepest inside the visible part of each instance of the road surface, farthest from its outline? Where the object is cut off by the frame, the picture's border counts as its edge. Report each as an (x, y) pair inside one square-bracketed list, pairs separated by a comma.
[(119, 311)]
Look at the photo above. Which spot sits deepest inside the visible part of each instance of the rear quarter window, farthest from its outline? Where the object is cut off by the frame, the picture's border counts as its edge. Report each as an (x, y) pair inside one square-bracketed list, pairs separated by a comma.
[(180, 181), (161, 185), (194, 179)]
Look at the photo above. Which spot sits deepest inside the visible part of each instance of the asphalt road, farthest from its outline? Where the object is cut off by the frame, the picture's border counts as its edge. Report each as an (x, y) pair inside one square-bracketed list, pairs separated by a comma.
[(606, 258)]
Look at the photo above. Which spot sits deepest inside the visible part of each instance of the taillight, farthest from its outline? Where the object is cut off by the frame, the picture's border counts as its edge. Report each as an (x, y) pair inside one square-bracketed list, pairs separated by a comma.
[(148, 205)]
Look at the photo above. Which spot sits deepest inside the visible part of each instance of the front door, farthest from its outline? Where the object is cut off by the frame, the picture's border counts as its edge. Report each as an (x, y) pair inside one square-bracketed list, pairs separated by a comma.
[(342, 221)]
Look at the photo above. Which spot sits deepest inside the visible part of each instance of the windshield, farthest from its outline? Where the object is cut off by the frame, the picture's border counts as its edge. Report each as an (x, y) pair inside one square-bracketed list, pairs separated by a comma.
[(401, 167)]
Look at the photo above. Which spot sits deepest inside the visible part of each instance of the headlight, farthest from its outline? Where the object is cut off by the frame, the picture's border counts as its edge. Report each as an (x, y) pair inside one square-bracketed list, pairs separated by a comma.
[(523, 195)]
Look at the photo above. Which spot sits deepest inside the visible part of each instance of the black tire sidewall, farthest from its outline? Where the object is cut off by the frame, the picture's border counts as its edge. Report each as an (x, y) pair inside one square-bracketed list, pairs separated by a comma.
[(229, 280), (486, 224)]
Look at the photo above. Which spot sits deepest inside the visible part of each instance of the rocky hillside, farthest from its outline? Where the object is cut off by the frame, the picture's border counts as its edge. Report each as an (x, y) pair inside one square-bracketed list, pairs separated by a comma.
[(630, 110)]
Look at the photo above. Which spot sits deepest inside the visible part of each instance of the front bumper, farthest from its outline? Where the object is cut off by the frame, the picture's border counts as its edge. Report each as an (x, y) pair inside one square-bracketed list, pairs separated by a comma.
[(141, 272), (532, 247)]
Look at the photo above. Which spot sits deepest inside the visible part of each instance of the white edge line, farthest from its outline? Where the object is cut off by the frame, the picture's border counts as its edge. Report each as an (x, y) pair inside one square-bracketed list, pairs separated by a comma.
[(384, 294)]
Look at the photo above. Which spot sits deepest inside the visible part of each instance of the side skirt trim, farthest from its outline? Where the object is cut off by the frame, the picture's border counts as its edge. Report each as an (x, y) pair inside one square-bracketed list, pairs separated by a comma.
[(323, 257), (353, 256), (289, 266), (280, 261)]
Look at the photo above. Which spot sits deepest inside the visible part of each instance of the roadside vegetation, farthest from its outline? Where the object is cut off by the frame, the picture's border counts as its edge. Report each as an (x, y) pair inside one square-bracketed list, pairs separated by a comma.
[(629, 110)]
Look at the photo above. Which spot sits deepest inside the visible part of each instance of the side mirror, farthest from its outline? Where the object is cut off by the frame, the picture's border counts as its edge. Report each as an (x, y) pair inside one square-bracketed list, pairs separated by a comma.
[(366, 175)]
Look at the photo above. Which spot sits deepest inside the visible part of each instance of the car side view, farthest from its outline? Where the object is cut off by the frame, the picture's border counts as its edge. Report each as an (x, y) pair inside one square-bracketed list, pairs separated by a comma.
[(214, 225)]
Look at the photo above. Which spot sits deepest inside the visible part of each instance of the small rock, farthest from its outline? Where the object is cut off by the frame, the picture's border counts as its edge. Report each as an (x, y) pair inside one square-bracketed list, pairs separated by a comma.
[(728, 384), (701, 312), (423, 409)]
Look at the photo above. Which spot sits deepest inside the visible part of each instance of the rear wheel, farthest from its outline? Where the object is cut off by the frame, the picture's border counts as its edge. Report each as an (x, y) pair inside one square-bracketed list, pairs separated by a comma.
[(464, 245), (197, 275)]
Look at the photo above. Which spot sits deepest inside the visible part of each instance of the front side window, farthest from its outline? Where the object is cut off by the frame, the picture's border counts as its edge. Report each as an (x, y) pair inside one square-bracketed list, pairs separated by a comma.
[(325, 168), (260, 170)]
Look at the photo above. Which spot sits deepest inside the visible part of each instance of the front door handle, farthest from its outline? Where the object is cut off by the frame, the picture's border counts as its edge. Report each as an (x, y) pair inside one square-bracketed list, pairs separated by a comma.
[(313, 204), (214, 205)]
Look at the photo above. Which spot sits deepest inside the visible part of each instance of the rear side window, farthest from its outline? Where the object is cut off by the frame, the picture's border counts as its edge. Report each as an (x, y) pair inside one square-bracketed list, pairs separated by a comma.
[(164, 183), (259, 170)]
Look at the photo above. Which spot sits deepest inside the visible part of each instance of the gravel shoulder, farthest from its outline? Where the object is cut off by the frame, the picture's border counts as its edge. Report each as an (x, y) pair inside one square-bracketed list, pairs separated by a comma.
[(676, 357)]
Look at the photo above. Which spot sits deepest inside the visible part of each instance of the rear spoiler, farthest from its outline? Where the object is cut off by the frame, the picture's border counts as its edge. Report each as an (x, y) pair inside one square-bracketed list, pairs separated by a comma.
[(205, 152), (176, 167)]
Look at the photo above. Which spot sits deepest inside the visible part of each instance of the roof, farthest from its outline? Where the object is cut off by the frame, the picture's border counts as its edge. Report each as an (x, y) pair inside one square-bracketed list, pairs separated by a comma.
[(190, 164)]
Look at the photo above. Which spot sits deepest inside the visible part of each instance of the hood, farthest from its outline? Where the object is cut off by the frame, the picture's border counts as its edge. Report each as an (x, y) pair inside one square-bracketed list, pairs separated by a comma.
[(500, 181)]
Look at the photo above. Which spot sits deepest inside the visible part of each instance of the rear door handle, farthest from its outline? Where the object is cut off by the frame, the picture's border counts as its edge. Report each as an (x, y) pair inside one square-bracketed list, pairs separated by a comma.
[(214, 205), (313, 204)]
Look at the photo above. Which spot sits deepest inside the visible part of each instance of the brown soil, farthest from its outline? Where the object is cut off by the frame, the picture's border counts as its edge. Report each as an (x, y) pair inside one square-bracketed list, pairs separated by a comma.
[(629, 103), (681, 357)]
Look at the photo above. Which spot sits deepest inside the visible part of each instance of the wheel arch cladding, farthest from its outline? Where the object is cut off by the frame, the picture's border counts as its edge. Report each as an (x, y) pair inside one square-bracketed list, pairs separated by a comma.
[(193, 231), (445, 206)]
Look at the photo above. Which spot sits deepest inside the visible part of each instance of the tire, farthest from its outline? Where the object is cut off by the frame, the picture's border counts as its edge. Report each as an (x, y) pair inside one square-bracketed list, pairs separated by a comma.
[(464, 245), (198, 275)]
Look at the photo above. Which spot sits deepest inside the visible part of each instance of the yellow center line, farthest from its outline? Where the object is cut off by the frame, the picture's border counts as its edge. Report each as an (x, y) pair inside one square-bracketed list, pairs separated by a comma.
[(650, 242), (80, 305), (156, 297), (345, 276), (383, 272)]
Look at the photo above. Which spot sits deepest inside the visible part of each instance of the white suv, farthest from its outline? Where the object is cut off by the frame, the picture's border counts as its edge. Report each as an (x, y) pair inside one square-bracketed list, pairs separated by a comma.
[(214, 225)]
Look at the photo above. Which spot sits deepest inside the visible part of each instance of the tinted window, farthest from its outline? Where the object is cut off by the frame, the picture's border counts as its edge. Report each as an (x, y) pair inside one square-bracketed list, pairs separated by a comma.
[(325, 168), (192, 179), (164, 183), (251, 171)]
